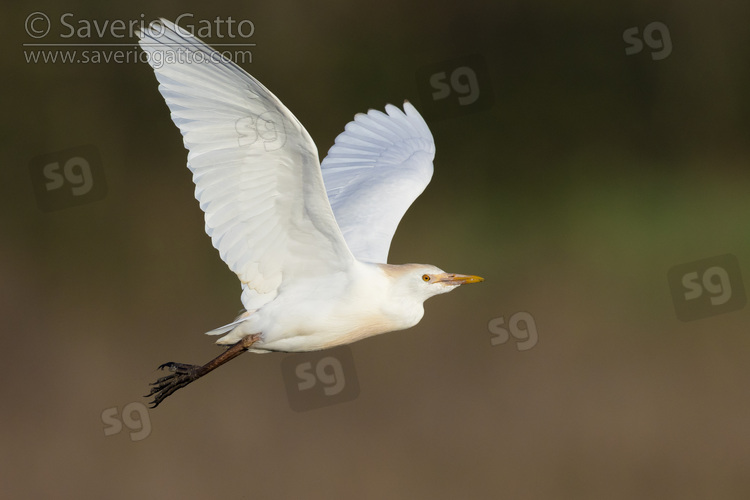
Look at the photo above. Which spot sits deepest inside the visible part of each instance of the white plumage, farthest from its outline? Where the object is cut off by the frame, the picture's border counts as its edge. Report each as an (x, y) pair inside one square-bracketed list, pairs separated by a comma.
[(308, 241)]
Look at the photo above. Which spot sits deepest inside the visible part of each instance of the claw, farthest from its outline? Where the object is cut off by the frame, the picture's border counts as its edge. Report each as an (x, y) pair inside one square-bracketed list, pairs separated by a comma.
[(182, 375), (177, 367)]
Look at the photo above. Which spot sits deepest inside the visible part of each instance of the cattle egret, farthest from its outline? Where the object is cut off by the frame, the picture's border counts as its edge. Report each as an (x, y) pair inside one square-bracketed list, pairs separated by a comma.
[(309, 241)]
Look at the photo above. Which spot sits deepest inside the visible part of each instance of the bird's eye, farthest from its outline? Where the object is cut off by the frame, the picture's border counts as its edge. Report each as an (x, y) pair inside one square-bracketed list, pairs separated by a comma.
[(426, 278)]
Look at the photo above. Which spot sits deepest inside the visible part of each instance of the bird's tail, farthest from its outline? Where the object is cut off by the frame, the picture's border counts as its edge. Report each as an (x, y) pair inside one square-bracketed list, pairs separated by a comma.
[(231, 326)]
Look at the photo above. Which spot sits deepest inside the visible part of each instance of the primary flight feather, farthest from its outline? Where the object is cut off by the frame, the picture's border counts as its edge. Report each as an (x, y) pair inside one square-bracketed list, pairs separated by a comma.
[(309, 241)]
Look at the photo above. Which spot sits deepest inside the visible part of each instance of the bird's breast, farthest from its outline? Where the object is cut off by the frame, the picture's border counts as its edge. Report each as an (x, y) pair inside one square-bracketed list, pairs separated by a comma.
[(333, 319)]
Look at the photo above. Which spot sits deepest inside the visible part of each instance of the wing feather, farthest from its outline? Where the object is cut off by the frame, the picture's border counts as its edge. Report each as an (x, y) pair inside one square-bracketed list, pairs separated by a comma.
[(254, 165), (375, 170)]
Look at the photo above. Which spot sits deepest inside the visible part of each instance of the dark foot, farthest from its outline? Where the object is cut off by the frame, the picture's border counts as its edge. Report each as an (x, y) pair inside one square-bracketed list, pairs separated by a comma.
[(182, 375)]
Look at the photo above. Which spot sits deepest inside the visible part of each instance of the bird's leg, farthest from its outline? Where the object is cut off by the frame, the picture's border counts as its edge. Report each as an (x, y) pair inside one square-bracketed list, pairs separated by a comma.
[(183, 373)]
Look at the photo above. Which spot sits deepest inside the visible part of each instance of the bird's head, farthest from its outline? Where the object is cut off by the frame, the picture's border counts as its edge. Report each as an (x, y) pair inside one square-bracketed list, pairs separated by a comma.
[(424, 280)]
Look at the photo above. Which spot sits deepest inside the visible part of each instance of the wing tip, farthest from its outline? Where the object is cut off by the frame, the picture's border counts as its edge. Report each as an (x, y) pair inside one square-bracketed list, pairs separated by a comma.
[(159, 27), (408, 109)]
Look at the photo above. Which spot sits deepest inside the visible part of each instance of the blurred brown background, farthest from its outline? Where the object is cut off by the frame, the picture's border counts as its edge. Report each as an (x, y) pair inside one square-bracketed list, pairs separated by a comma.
[(591, 175)]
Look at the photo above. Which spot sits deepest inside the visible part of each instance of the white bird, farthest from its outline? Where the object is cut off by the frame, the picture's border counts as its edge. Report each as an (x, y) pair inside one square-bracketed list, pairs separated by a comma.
[(309, 241)]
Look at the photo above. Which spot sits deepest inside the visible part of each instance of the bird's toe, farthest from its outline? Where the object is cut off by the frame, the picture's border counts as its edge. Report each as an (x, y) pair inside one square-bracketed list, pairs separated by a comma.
[(182, 374)]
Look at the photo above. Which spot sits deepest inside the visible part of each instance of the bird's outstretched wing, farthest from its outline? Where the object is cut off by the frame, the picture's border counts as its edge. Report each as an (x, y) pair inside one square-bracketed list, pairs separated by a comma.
[(254, 165), (374, 172)]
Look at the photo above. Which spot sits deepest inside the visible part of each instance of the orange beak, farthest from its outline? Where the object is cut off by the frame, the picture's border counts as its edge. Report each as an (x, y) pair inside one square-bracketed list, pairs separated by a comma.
[(458, 279)]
